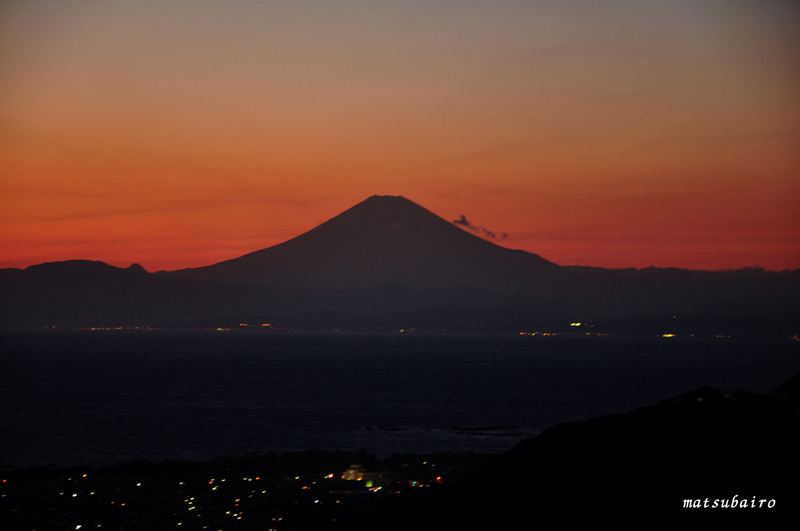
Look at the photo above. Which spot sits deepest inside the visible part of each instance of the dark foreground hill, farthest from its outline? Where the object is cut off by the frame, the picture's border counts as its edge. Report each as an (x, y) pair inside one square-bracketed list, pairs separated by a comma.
[(706, 458), (388, 263)]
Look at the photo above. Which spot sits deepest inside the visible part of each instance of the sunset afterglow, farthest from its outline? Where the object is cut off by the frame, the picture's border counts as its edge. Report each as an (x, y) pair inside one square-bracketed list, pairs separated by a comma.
[(176, 134)]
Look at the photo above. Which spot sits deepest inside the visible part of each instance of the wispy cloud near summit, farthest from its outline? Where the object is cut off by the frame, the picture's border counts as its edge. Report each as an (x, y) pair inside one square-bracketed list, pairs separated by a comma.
[(462, 221)]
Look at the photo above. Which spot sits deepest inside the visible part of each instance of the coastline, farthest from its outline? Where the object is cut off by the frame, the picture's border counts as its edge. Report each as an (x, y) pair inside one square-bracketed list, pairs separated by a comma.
[(706, 444)]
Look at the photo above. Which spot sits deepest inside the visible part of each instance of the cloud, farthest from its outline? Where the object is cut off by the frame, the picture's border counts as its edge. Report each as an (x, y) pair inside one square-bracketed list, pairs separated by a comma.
[(462, 221)]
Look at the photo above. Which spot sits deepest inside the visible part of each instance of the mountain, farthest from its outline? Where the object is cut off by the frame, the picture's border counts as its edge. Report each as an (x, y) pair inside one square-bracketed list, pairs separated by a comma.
[(381, 241), (388, 263)]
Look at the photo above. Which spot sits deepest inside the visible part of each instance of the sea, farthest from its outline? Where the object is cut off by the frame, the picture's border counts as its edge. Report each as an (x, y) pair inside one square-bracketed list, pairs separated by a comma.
[(95, 398)]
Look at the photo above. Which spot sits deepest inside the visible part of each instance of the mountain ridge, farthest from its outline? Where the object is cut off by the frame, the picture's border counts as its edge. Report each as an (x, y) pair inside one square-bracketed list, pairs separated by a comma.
[(389, 263), (381, 240)]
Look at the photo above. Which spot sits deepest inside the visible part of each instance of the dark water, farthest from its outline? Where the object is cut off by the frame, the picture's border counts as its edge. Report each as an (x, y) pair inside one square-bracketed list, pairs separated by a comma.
[(90, 398)]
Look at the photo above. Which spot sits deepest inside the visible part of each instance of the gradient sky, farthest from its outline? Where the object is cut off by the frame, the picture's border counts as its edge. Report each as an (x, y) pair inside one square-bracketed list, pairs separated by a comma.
[(610, 133)]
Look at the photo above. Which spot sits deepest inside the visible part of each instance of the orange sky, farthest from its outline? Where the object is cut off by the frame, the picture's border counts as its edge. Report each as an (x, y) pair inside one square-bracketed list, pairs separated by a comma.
[(619, 133)]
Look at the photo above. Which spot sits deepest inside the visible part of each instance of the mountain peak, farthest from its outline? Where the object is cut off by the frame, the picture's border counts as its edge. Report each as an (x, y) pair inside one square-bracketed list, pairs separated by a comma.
[(136, 268), (377, 209), (384, 239), (377, 198), (392, 202)]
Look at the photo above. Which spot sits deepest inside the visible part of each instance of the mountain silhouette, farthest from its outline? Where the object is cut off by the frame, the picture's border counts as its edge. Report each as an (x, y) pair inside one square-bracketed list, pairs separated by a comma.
[(382, 240), (388, 263)]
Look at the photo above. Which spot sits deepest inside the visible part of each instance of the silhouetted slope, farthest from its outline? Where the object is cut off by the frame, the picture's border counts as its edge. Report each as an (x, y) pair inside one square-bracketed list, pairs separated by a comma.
[(87, 293), (382, 240), (633, 469), (387, 240), (82, 292), (388, 263)]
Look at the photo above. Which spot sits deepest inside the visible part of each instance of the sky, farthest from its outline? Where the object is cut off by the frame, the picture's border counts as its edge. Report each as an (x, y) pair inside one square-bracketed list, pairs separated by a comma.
[(624, 133)]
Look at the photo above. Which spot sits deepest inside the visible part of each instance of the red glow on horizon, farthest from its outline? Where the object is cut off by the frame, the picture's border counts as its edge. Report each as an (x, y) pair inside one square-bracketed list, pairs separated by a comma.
[(221, 130), (179, 241)]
